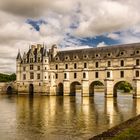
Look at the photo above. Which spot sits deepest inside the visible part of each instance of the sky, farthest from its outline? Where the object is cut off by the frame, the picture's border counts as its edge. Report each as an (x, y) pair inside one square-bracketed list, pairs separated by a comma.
[(67, 23)]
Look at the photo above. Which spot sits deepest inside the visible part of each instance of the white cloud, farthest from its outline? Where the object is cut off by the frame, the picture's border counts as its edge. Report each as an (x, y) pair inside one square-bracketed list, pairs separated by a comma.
[(102, 44), (90, 17)]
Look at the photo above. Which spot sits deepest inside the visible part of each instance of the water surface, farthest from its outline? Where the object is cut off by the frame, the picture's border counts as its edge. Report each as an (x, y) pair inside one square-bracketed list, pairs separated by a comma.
[(62, 118)]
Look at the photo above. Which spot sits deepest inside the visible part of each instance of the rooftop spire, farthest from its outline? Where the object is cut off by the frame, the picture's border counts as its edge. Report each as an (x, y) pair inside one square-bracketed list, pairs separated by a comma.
[(18, 55)]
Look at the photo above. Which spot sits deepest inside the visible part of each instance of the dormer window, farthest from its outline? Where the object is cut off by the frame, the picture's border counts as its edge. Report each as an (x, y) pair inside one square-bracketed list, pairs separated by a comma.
[(31, 60), (122, 53), (66, 58), (137, 52), (75, 57), (85, 56), (97, 55), (56, 58), (109, 54)]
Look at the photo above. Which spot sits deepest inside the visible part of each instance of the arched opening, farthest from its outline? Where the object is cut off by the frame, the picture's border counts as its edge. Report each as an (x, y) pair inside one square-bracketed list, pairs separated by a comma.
[(122, 87), (96, 86), (75, 87), (60, 89), (31, 89), (9, 90)]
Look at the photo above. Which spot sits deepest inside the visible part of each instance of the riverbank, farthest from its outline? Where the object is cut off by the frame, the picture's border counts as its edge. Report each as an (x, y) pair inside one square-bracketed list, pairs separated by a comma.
[(128, 130)]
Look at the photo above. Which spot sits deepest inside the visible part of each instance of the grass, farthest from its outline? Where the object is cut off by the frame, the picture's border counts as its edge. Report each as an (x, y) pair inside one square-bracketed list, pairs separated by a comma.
[(128, 134)]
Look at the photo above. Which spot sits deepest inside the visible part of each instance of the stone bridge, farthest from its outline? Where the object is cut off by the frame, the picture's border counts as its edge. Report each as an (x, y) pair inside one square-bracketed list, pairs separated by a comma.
[(7, 87)]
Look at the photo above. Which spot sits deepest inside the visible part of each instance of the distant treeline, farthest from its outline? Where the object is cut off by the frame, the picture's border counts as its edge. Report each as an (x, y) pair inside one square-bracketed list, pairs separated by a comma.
[(7, 78)]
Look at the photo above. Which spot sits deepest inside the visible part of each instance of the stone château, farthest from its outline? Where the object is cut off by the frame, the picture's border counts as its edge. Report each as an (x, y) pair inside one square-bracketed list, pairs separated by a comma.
[(56, 72)]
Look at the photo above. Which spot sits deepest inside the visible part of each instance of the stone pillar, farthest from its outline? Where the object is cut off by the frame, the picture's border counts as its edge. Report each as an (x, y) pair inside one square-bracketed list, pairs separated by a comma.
[(109, 87), (66, 84), (136, 88), (85, 87)]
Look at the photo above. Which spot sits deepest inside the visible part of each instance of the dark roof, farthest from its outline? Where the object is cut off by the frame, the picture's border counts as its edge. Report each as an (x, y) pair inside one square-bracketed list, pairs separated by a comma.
[(128, 49)]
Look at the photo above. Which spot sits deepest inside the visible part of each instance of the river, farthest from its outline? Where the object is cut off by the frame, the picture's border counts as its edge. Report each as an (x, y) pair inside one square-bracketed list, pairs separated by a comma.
[(62, 118)]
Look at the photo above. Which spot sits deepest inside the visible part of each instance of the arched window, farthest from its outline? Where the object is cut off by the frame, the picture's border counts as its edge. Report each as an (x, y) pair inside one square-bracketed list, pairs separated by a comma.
[(96, 64), (137, 62), (137, 73), (122, 63), (108, 74), (75, 66), (85, 65), (65, 76), (75, 75), (121, 74), (66, 66), (109, 63), (84, 75), (96, 74), (56, 66)]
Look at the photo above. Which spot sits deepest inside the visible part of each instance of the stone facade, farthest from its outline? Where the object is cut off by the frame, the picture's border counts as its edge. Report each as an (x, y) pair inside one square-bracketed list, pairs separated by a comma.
[(55, 72)]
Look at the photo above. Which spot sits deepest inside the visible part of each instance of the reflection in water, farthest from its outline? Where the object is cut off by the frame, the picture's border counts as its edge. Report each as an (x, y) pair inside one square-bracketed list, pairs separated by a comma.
[(58, 117)]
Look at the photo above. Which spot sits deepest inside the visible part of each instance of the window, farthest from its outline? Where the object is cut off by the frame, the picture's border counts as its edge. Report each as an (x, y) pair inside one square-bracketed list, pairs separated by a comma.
[(137, 52), (85, 65), (122, 53), (65, 76), (96, 64), (137, 62), (45, 68), (108, 74), (24, 68), (84, 75), (31, 67), (38, 76), (137, 73), (109, 63), (31, 75), (38, 59), (38, 67), (75, 66), (56, 67), (39, 84), (24, 76), (121, 74), (109, 54), (75, 75), (122, 63), (96, 75), (66, 66), (31, 60), (56, 76), (24, 60), (45, 77)]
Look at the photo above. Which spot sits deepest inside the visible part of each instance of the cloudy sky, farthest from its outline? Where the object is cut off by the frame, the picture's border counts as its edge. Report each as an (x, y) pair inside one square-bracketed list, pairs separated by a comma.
[(68, 23)]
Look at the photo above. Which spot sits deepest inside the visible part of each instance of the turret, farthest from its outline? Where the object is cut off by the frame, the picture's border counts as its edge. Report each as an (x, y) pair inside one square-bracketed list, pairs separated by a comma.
[(18, 65), (45, 64)]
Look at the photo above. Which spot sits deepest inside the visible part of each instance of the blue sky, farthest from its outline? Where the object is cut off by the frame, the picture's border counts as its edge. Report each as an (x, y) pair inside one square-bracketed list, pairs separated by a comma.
[(67, 23)]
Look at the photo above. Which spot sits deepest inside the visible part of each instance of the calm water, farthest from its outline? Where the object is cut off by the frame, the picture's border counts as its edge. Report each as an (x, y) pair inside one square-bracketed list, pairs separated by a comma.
[(62, 118)]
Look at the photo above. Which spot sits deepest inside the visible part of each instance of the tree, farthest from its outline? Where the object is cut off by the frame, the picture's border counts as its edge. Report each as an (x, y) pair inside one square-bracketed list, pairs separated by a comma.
[(125, 86)]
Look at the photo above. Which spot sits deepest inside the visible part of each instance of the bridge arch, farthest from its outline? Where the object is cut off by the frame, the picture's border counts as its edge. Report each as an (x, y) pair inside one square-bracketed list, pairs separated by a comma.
[(74, 86), (92, 86), (9, 90), (31, 89), (122, 85), (60, 89)]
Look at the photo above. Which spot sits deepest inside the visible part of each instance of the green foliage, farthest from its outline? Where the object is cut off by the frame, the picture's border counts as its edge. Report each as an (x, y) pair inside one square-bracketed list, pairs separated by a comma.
[(7, 78), (129, 134), (125, 86)]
